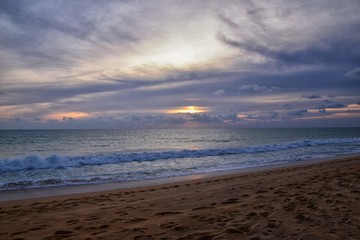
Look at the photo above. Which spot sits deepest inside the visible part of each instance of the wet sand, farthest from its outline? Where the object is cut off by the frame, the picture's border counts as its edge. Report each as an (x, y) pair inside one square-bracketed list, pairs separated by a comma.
[(312, 201)]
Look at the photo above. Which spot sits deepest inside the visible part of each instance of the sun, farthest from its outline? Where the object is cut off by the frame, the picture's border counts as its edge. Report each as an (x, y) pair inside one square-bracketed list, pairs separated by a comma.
[(188, 109)]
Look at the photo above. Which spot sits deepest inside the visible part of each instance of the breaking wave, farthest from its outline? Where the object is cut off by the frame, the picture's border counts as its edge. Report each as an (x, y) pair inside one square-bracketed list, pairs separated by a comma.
[(58, 161)]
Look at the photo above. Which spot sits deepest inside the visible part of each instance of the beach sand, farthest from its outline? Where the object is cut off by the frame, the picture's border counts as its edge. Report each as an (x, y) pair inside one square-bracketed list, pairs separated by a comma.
[(312, 201)]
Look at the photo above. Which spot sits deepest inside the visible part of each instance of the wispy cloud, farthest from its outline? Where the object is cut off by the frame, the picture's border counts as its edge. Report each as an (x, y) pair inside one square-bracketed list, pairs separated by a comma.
[(125, 63), (355, 73)]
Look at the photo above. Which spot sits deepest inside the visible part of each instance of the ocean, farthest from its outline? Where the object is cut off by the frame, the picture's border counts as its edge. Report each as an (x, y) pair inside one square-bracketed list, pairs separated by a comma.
[(47, 158)]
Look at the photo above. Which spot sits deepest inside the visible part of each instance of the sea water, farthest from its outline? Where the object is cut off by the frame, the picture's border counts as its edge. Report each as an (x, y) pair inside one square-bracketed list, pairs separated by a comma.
[(46, 158)]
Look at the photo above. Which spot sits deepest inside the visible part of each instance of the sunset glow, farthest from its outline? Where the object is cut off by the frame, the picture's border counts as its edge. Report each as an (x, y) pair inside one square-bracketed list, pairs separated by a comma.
[(188, 109)]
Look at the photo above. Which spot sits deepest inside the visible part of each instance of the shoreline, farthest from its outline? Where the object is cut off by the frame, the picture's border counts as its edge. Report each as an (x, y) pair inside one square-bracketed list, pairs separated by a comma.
[(318, 200), (34, 193)]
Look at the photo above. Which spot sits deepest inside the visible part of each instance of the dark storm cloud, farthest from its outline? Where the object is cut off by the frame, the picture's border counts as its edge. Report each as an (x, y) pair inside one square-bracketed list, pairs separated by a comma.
[(323, 107), (298, 112), (312, 96)]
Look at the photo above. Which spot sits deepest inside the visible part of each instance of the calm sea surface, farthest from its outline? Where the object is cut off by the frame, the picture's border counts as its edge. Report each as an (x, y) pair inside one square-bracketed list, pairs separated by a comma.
[(45, 158)]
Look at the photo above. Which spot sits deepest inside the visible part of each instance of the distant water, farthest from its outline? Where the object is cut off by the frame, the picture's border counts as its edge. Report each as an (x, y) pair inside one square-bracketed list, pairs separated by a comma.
[(45, 158)]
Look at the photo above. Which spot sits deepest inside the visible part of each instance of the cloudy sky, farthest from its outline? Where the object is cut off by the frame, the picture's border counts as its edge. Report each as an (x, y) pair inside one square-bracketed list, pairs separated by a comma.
[(161, 64)]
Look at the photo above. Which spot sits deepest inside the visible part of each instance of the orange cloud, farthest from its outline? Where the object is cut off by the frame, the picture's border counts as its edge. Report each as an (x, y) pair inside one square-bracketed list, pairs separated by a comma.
[(332, 116), (74, 115)]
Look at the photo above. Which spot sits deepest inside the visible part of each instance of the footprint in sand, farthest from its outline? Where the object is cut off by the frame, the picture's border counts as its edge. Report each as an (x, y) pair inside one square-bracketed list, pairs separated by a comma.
[(167, 213), (231, 201), (63, 233), (135, 220)]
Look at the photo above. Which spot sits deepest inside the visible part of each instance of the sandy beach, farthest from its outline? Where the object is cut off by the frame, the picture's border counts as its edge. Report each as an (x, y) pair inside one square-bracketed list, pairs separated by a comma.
[(312, 201)]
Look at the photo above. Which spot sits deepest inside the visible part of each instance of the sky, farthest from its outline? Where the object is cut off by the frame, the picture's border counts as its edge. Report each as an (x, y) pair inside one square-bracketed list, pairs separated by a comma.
[(179, 64)]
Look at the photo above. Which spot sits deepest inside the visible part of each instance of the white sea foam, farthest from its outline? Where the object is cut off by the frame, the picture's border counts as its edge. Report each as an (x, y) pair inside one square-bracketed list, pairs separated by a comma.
[(59, 161)]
